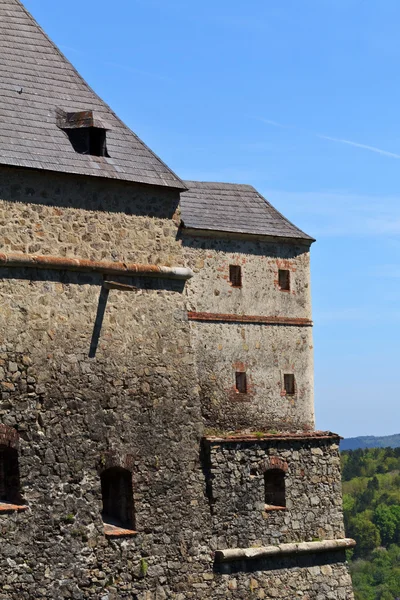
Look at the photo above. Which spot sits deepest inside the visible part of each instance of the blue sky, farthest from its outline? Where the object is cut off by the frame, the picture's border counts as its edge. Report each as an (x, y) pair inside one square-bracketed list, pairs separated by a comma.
[(301, 100)]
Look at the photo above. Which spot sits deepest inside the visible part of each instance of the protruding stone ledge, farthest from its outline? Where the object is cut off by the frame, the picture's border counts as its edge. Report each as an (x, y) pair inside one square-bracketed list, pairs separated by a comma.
[(83, 264), (283, 550), (252, 319), (113, 531), (262, 436), (7, 507)]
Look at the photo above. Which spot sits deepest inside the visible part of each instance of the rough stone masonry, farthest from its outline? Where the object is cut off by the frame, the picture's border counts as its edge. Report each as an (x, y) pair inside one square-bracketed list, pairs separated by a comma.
[(157, 436)]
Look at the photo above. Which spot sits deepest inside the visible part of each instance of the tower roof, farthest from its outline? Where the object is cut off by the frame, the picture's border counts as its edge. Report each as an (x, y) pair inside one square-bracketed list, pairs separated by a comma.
[(235, 208), (37, 84)]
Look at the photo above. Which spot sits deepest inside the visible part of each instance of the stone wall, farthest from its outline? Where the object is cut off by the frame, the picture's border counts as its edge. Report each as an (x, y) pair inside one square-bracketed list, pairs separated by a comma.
[(210, 290), (313, 577), (92, 378), (73, 410), (49, 213), (264, 351), (237, 492)]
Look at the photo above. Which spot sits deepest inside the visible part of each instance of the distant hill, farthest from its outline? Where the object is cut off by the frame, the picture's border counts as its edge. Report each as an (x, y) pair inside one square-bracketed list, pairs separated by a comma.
[(370, 441)]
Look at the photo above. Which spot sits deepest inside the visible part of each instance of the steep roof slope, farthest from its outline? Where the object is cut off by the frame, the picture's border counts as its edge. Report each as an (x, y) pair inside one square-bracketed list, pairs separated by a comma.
[(234, 208), (35, 80)]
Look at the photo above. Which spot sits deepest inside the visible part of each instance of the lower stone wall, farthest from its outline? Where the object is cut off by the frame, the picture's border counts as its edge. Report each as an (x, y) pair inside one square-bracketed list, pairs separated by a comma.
[(236, 491), (313, 577)]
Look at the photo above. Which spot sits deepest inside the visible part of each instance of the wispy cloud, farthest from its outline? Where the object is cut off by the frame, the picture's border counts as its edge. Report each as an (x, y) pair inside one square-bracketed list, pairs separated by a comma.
[(330, 138), (275, 123), (357, 145)]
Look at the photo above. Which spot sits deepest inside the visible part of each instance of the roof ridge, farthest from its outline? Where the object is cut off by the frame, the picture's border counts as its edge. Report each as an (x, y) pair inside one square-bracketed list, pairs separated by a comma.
[(222, 183)]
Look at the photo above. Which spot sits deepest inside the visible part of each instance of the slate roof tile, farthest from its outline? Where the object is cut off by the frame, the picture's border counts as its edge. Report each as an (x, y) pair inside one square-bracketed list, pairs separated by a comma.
[(235, 208), (29, 135)]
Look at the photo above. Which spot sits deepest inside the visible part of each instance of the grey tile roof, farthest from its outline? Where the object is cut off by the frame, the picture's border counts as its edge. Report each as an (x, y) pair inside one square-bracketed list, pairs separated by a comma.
[(35, 80), (234, 208)]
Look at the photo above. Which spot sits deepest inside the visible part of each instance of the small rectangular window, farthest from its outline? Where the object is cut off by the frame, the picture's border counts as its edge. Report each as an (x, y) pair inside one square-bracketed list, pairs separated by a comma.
[(88, 140), (289, 384), (241, 383), (284, 279), (235, 275)]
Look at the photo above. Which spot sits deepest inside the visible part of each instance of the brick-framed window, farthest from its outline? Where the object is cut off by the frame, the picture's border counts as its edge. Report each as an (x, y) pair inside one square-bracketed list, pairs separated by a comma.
[(241, 382), (284, 280), (275, 488), (289, 384), (235, 275), (117, 494)]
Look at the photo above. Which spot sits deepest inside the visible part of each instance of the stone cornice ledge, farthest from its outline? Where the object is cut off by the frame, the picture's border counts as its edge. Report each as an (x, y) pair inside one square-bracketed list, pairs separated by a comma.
[(283, 549), (62, 263), (252, 319)]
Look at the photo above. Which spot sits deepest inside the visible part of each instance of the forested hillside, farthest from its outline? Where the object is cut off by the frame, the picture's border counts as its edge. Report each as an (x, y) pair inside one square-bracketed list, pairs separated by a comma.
[(371, 488), (371, 441)]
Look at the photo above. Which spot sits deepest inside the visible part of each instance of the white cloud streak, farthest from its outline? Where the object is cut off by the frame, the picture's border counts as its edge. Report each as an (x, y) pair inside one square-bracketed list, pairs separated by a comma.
[(357, 145), (332, 139)]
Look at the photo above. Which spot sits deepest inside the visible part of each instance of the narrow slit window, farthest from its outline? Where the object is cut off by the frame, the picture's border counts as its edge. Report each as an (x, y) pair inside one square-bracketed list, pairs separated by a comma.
[(275, 492), (235, 275), (289, 384), (9, 477), (284, 279), (117, 494), (241, 383)]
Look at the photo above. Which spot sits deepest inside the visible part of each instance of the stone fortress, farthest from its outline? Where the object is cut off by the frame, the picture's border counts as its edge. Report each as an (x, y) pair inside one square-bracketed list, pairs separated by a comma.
[(156, 418)]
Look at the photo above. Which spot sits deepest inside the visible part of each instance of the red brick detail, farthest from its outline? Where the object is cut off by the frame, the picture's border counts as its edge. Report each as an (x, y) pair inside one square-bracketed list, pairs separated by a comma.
[(5, 507), (9, 437), (269, 508), (114, 531), (274, 462), (113, 459), (225, 318)]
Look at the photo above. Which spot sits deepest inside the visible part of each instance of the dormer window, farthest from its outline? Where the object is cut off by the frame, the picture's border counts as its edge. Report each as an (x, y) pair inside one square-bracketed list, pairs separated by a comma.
[(88, 140), (86, 133)]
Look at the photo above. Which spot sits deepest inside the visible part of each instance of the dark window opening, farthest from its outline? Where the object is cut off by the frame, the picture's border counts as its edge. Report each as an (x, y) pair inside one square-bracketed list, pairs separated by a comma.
[(289, 384), (9, 477), (275, 488), (241, 383), (284, 279), (117, 493), (235, 275), (88, 140)]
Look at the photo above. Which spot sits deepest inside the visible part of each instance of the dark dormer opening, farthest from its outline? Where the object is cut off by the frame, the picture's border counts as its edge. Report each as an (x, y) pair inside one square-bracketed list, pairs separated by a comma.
[(235, 275), (117, 493), (241, 382), (88, 140), (275, 493), (87, 133)]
